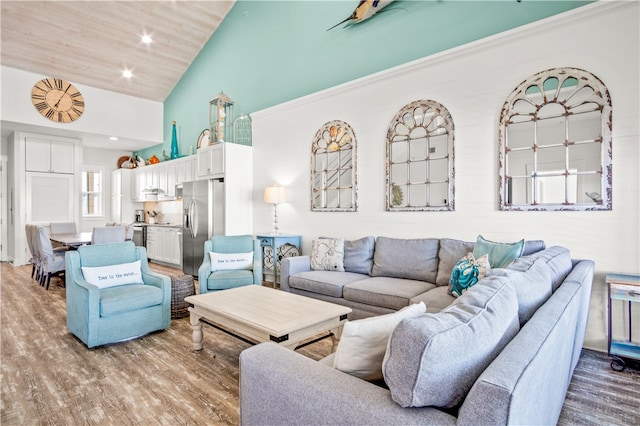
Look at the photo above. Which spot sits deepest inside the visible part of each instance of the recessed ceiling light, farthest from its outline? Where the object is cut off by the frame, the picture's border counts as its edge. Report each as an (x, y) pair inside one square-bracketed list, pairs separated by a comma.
[(113, 138), (146, 39), (127, 73)]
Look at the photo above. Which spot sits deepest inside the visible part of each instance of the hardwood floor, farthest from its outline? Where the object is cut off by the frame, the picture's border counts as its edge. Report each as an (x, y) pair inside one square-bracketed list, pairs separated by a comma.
[(50, 377)]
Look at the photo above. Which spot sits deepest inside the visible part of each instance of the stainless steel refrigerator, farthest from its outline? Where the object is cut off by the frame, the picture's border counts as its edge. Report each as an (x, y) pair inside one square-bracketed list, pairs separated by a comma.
[(203, 216)]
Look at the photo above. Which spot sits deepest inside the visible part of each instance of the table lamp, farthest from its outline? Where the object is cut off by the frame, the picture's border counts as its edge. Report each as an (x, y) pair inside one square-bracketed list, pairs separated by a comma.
[(275, 195)]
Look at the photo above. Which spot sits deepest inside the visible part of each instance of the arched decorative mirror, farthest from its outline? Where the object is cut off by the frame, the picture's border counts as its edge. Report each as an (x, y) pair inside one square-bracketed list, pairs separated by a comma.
[(555, 143), (420, 171), (333, 168)]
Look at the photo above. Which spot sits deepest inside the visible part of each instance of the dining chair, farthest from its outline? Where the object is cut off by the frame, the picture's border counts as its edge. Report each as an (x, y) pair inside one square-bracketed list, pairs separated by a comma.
[(63, 227), (51, 261), (128, 230), (34, 255), (107, 235)]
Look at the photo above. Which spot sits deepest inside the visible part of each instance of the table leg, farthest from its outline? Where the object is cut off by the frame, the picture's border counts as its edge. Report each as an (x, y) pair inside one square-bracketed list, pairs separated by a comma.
[(197, 331), (336, 334)]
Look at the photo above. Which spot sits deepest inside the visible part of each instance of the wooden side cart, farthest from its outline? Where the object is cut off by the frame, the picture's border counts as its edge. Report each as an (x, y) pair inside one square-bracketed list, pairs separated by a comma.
[(625, 287)]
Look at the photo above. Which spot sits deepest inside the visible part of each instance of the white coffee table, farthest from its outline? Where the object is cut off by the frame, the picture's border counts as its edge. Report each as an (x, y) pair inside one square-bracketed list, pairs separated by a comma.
[(263, 314)]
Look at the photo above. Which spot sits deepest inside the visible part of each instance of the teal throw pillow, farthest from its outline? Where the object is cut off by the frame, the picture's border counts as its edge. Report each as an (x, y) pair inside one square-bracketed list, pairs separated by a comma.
[(500, 254), (466, 273)]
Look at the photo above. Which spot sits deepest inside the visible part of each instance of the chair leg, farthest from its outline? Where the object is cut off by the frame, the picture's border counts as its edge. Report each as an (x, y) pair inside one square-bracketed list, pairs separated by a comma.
[(33, 269), (48, 280)]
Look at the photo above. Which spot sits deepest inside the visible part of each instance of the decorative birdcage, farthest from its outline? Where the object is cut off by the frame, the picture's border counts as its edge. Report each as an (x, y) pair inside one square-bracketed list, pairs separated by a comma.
[(221, 118), (242, 130)]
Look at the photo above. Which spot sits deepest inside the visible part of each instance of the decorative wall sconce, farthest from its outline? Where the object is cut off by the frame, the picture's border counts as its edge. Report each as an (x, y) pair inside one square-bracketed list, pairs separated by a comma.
[(221, 118), (275, 195)]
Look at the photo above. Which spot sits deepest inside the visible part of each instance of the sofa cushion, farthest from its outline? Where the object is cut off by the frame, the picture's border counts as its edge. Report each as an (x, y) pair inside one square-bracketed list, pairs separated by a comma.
[(558, 260), (327, 254), (220, 280), (324, 282), (467, 272), (434, 359), (393, 293), (131, 297), (363, 342), (358, 255), (449, 253), (414, 259), (435, 299), (533, 287), (500, 254)]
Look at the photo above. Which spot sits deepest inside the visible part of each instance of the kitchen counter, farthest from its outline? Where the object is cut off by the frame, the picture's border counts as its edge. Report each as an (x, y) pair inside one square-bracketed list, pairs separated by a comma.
[(163, 225)]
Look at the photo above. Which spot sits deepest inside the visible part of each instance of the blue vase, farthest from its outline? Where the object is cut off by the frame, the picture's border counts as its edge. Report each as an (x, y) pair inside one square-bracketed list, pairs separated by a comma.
[(174, 142)]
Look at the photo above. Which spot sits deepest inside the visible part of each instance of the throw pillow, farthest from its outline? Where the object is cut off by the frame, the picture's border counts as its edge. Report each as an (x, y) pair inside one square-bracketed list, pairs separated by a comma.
[(434, 359), (533, 286), (449, 253), (358, 255), (327, 254), (413, 259), (113, 275), (363, 342), (230, 261), (467, 272), (500, 254)]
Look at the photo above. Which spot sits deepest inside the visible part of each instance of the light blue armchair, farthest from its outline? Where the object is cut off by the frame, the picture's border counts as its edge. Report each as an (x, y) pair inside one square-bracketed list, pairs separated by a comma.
[(223, 279), (98, 316)]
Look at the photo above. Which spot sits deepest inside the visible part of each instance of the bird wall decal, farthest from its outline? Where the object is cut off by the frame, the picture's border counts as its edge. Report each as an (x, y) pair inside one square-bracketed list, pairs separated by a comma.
[(365, 10)]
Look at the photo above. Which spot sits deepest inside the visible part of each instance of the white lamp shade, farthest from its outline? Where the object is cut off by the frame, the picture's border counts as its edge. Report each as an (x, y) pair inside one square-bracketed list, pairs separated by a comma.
[(275, 194)]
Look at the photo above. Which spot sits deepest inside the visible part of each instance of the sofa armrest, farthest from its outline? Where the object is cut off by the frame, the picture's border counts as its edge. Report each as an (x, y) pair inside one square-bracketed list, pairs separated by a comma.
[(539, 357), (281, 387), (291, 266)]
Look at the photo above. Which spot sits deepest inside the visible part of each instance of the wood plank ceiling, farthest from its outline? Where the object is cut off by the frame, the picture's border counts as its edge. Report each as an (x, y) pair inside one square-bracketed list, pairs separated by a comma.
[(91, 42)]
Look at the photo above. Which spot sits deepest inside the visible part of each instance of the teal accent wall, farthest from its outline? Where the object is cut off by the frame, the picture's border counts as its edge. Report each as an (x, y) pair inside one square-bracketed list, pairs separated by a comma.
[(268, 52)]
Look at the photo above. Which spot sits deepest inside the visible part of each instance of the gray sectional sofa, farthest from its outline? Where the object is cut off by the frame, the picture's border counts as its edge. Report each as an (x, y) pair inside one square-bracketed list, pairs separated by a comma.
[(385, 274), (502, 353)]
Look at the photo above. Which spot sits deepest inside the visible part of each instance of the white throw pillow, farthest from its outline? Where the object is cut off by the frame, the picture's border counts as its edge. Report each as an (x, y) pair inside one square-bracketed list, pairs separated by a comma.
[(113, 275), (327, 254), (363, 343), (231, 261)]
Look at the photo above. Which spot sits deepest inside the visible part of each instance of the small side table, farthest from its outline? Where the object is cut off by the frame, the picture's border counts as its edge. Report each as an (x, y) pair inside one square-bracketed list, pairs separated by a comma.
[(624, 287), (277, 242), (181, 287)]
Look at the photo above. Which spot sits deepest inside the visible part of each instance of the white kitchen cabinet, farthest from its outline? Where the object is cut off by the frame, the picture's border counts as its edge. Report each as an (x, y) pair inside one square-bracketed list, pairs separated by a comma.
[(185, 169), (211, 161), (157, 182), (172, 245), (49, 156), (234, 163), (50, 197), (164, 244), (146, 180), (153, 246), (167, 179)]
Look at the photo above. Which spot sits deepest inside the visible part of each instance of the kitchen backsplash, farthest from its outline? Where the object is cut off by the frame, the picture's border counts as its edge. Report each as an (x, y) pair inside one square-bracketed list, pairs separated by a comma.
[(168, 211)]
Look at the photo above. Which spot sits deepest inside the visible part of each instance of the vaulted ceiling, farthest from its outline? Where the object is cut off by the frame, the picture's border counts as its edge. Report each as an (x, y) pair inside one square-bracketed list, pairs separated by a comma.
[(92, 42)]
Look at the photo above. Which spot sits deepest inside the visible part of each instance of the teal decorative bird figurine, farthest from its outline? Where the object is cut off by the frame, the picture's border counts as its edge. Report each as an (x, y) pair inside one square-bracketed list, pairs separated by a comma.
[(365, 10)]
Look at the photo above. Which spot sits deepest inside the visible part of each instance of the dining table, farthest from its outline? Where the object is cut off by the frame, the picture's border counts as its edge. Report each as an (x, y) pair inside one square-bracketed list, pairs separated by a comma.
[(72, 240)]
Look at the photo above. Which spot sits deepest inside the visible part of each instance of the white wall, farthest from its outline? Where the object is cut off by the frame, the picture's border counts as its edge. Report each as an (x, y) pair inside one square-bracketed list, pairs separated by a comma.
[(472, 82), (106, 113), (108, 159)]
